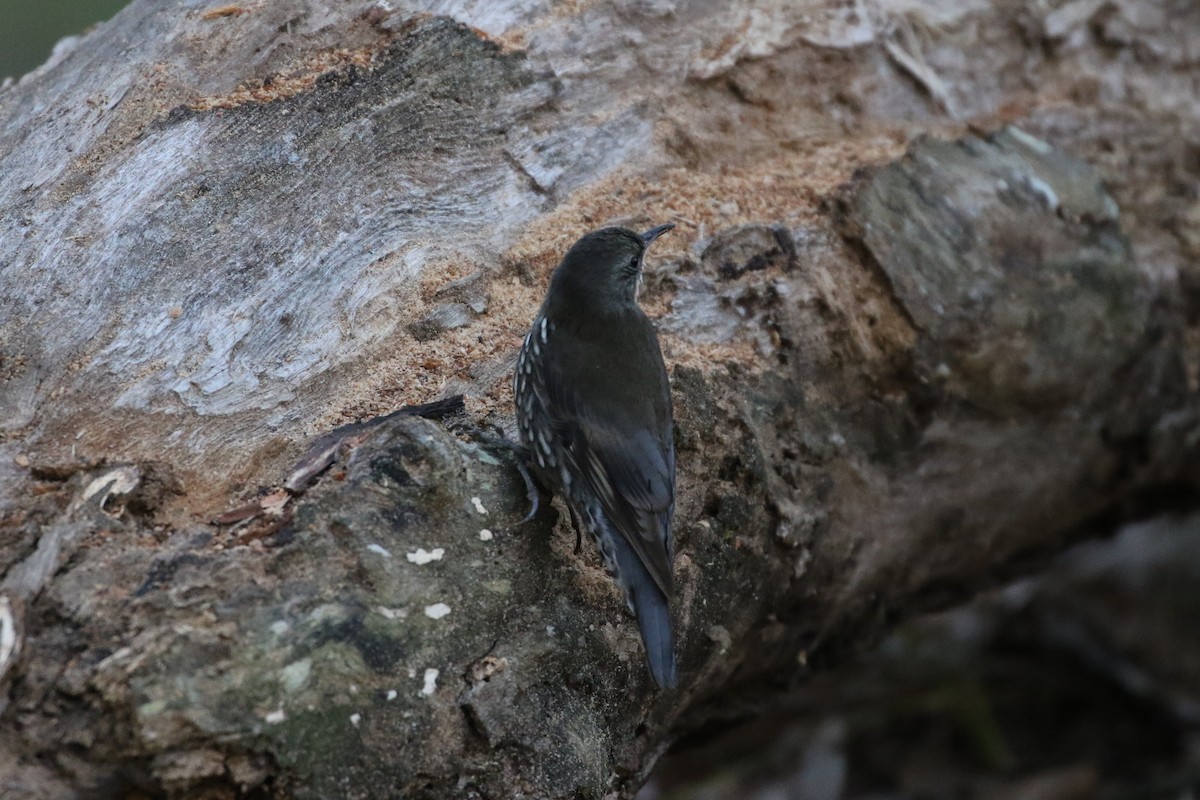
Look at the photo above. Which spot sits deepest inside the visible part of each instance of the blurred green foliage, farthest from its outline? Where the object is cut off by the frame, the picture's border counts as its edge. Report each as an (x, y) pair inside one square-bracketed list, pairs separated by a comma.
[(29, 28)]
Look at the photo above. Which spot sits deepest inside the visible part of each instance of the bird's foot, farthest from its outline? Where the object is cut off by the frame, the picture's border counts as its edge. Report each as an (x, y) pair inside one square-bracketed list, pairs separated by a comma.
[(531, 491), (498, 440), (578, 532)]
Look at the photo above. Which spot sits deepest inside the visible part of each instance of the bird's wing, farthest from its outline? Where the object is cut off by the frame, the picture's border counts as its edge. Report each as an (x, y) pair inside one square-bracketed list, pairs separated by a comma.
[(626, 462), (631, 478)]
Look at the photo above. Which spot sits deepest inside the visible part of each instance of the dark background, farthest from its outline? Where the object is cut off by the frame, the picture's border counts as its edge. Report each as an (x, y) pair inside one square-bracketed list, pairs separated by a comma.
[(29, 28)]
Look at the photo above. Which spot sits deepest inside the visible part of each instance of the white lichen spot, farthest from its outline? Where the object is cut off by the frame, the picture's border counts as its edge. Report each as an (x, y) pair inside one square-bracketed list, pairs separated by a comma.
[(719, 636), (152, 709), (327, 612), (355, 719), (8, 634), (431, 676), (380, 549), (1044, 191), (551, 630), (423, 556), (275, 717), (437, 610), (118, 481), (279, 627), (837, 440), (485, 535), (391, 613), (391, 694), (475, 501), (1032, 142), (294, 675)]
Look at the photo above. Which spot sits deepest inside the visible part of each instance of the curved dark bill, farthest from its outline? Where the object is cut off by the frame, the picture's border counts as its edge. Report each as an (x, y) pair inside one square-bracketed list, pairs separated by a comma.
[(652, 234)]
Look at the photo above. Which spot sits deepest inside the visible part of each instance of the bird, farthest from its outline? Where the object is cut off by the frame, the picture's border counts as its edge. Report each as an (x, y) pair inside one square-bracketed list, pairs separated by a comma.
[(593, 409)]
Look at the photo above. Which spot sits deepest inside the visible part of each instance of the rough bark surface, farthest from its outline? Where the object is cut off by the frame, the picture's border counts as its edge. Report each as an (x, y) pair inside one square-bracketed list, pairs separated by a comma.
[(901, 371)]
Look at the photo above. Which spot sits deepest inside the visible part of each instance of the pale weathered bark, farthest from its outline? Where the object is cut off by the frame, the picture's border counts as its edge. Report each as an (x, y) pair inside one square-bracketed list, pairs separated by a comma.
[(229, 229)]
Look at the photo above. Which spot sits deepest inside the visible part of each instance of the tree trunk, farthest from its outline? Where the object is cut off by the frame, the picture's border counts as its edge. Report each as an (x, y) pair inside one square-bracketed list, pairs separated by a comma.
[(228, 230)]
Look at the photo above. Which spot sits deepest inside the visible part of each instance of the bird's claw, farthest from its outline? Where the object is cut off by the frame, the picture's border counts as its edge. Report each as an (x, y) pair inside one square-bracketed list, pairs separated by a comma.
[(578, 532), (531, 492), (522, 457)]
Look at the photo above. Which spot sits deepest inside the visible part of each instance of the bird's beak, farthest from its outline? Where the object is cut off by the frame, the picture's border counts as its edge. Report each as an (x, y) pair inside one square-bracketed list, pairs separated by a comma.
[(652, 234)]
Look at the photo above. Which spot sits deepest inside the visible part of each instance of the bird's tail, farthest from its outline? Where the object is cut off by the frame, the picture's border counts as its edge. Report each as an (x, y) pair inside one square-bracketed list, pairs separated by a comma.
[(654, 621), (653, 612)]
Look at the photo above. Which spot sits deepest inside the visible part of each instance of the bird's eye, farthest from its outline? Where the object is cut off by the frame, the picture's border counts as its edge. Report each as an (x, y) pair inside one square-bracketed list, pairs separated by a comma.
[(633, 262)]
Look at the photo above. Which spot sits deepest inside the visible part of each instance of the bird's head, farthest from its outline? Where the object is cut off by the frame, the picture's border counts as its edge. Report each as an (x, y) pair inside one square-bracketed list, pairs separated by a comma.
[(602, 270)]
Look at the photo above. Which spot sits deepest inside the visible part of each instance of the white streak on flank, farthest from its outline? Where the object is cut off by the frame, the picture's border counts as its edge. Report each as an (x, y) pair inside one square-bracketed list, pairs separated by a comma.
[(423, 556), (543, 326), (392, 613), (475, 501), (431, 676), (380, 549), (485, 535), (437, 610)]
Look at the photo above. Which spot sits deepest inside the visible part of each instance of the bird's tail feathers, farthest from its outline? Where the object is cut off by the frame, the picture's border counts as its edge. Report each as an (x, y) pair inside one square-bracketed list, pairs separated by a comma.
[(654, 622), (653, 612)]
